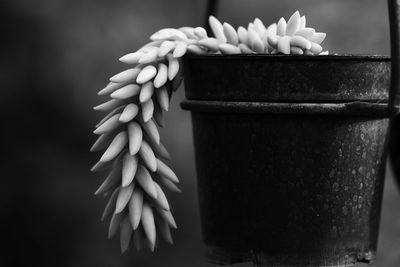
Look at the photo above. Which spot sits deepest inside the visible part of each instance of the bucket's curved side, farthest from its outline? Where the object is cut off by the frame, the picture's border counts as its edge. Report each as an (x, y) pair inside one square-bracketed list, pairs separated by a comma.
[(287, 190), (293, 178)]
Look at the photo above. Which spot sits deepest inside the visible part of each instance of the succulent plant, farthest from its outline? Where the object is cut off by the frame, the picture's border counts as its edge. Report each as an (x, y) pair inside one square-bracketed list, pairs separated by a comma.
[(139, 96)]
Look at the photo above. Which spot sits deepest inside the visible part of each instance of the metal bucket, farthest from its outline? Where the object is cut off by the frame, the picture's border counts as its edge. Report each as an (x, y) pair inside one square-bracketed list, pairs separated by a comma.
[(290, 153), (296, 178)]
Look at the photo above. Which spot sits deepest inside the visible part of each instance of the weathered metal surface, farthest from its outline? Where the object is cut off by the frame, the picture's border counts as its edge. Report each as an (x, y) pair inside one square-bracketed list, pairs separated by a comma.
[(366, 109), (272, 78), (394, 22), (289, 184), (394, 147), (289, 190), (394, 100)]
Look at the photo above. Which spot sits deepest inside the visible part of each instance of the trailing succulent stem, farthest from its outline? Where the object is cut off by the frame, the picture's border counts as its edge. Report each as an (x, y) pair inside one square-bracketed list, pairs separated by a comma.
[(139, 96)]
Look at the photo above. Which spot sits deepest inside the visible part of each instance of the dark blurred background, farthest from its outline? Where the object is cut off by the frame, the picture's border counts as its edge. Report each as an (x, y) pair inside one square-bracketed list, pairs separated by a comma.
[(56, 55)]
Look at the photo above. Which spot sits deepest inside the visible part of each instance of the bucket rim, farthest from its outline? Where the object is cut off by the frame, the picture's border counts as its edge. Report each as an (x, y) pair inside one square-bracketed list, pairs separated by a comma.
[(333, 57), (356, 108)]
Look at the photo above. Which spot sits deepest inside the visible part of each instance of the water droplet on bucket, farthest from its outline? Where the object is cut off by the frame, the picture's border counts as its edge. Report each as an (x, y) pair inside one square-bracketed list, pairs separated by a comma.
[(354, 210), (335, 187), (334, 231), (345, 210)]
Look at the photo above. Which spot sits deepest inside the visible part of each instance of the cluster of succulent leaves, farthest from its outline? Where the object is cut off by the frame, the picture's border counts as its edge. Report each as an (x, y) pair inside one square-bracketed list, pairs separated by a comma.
[(139, 96)]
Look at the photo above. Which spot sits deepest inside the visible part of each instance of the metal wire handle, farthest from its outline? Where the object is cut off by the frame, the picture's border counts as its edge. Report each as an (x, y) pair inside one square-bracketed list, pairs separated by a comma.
[(393, 6), (211, 10)]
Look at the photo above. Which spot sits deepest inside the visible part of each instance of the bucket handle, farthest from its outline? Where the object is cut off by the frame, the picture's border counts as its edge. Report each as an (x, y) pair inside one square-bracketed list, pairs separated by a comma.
[(394, 22)]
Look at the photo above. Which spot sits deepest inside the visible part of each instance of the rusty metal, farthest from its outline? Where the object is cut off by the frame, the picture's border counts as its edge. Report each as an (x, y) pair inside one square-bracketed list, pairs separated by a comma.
[(394, 147), (394, 22), (290, 154), (289, 184), (289, 190), (272, 78), (395, 83), (366, 109)]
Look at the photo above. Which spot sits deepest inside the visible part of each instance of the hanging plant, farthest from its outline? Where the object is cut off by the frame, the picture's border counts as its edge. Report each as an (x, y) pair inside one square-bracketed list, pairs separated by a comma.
[(140, 95)]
